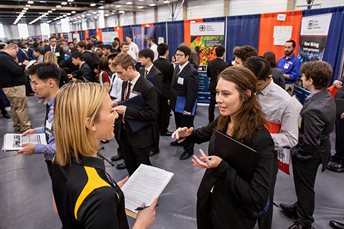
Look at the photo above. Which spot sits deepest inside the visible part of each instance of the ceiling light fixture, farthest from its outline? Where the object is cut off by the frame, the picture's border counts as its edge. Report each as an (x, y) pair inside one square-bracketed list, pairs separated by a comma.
[(129, 3), (118, 6), (166, 1), (58, 6), (63, 3), (29, 2), (73, 12), (140, 7), (152, 4), (93, 4), (70, 0)]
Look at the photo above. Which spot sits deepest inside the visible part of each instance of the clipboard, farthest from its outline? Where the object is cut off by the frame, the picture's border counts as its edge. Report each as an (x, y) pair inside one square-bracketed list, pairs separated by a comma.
[(339, 106), (238, 155), (137, 102)]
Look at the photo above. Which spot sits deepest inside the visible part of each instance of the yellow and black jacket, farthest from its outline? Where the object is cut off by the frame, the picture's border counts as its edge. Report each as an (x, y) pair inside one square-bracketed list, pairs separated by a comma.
[(86, 198)]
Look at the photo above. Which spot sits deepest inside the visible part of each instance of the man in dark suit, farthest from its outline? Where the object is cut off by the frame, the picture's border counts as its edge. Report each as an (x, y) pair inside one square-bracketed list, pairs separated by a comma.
[(84, 72), (185, 84), (215, 67), (313, 148), (151, 73), (53, 47), (166, 68), (136, 144)]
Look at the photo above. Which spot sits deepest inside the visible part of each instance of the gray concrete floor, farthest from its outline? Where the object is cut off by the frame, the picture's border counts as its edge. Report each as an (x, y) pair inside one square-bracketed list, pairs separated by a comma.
[(26, 196)]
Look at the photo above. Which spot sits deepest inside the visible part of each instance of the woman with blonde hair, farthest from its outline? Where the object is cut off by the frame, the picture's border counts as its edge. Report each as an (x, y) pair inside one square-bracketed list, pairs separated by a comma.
[(225, 199), (86, 196), (50, 57)]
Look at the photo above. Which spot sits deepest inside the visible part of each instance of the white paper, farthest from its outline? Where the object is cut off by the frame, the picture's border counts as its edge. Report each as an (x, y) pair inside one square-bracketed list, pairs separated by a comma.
[(14, 141), (144, 186), (282, 34)]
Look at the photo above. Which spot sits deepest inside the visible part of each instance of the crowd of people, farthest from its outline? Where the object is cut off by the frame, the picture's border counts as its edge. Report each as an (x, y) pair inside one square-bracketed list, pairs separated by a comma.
[(95, 92)]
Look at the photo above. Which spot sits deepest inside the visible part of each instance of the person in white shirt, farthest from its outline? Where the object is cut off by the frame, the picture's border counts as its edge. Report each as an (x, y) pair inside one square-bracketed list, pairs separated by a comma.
[(281, 116), (153, 47), (133, 48)]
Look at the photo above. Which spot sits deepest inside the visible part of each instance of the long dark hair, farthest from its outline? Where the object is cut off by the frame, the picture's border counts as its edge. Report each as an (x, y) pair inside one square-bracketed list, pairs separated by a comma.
[(250, 116)]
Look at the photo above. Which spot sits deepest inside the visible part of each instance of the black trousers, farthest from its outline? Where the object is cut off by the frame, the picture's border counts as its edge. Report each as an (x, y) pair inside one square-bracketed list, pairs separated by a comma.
[(211, 108), (2, 107), (133, 156), (339, 139), (265, 221), (164, 115), (118, 137), (185, 121), (305, 172), (156, 137)]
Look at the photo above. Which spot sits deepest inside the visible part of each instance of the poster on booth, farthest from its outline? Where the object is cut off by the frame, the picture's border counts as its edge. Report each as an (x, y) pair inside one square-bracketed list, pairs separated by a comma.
[(108, 37), (313, 37), (141, 34), (205, 37)]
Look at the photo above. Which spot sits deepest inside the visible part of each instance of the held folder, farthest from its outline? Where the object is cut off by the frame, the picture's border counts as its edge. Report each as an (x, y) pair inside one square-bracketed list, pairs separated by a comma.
[(241, 157), (138, 103), (180, 105), (339, 106)]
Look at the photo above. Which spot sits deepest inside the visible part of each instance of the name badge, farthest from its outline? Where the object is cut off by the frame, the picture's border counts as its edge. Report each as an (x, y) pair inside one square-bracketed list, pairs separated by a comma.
[(180, 81), (286, 66), (48, 125)]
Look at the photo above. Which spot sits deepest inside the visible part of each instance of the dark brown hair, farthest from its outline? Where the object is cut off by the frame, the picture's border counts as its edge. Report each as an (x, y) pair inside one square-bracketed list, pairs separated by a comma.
[(244, 52), (319, 71), (250, 115), (271, 58)]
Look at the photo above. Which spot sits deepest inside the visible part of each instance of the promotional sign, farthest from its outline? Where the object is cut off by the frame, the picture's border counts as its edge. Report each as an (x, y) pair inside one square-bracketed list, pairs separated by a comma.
[(141, 34), (313, 37), (108, 37), (205, 37)]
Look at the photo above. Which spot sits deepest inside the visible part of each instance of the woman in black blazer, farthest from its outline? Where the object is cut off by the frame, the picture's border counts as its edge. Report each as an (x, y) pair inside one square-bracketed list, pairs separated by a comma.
[(224, 199)]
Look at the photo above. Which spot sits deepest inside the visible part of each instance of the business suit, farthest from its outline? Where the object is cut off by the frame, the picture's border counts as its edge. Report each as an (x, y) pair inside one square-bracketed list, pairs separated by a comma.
[(224, 199), (155, 77), (185, 83), (313, 149), (166, 68), (136, 145), (60, 55), (215, 67)]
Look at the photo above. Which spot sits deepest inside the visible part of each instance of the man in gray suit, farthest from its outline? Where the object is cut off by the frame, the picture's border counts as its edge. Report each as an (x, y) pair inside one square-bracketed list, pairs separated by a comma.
[(316, 124)]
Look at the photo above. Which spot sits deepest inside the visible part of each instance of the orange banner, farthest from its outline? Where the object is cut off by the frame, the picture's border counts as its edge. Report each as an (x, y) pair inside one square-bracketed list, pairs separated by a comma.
[(268, 22), (187, 34), (119, 29), (99, 34), (86, 35)]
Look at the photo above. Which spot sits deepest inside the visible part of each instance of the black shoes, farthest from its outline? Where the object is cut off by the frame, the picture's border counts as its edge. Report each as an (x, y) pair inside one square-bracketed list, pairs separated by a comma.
[(300, 225), (167, 133), (289, 211), (336, 167), (116, 158), (336, 225), (185, 155), (6, 115), (121, 166)]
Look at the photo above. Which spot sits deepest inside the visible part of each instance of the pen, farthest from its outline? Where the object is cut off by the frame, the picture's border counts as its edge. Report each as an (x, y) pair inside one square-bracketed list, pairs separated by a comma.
[(142, 208)]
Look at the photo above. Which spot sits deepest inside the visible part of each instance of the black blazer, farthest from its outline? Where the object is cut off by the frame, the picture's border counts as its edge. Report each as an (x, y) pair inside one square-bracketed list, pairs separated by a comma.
[(215, 67), (235, 202), (144, 137), (189, 87), (155, 77), (166, 68), (318, 116), (59, 50)]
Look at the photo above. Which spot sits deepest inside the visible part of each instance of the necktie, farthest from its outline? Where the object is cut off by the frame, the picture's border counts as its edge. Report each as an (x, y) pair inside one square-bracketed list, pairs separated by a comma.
[(47, 108), (53, 50), (128, 91), (146, 72)]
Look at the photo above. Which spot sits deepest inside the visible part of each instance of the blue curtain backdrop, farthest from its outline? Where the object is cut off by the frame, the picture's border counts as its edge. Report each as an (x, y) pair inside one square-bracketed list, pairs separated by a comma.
[(127, 31), (82, 35), (242, 30), (91, 32), (160, 31), (175, 31)]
